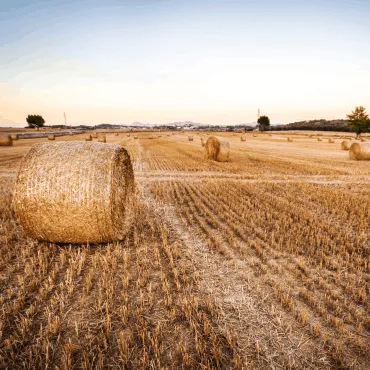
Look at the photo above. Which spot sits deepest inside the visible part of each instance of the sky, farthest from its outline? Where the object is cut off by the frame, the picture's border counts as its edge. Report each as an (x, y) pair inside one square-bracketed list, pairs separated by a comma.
[(159, 61)]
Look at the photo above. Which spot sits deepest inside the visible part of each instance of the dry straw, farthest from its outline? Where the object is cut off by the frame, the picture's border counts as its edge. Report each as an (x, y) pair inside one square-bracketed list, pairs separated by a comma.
[(217, 150), (136, 137), (359, 152), (242, 138), (289, 139), (88, 138), (6, 140), (331, 141), (57, 199), (190, 138), (14, 137), (102, 139), (319, 139), (51, 137), (95, 135), (203, 141), (116, 134), (345, 145)]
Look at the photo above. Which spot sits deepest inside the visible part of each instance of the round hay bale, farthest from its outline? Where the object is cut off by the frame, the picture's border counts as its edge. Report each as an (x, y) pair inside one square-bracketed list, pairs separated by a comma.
[(116, 134), (242, 138), (70, 133), (319, 139), (6, 140), (331, 141), (345, 145), (359, 152), (102, 139), (190, 138), (128, 135), (363, 140), (289, 139), (203, 141), (95, 135), (51, 137), (270, 134), (136, 137), (254, 135), (14, 137), (217, 150), (57, 199), (88, 138)]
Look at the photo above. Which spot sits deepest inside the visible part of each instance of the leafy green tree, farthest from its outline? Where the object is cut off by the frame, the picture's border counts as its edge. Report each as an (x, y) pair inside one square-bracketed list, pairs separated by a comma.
[(35, 120), (359, 120), (263, 123)]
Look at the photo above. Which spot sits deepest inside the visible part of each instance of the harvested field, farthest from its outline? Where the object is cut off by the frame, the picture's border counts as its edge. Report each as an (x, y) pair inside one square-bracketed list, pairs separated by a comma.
[(261, 262)]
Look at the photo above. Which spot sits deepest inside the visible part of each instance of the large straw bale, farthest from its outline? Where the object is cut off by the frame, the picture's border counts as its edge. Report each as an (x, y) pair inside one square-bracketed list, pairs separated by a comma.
[(88, 138), (102, 139), (14, 136), (217, 150), (345, 145), (190, 138), (359, 152), (59, 200), (51, 137), (6, 140)]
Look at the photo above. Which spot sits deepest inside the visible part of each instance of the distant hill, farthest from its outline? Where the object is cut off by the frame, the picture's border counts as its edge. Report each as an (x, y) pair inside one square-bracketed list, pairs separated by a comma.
[(315, 125)]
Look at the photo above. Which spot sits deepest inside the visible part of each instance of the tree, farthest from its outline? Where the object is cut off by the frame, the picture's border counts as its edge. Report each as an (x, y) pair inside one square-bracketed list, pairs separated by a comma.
[(263, 123), (35, 120), (359, 120)]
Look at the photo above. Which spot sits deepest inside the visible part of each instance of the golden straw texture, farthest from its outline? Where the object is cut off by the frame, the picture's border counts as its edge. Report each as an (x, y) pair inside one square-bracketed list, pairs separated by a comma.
[(242, 138), (345, 145), (359, 152), (217, 150), (190, 138), (88, 138), (75, 192), (6, 141), (102, 139)]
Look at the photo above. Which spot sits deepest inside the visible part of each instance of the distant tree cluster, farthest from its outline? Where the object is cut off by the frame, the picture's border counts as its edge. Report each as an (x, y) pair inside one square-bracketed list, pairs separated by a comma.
[(35, 120), (359, 121), (263, 123)]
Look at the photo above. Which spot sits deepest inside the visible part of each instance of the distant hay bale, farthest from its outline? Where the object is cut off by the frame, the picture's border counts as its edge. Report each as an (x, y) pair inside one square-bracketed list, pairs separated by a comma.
[(289, 139), (359, 152), (190, 138), (363, 140), (242, 138), (51, 137), (331, 141), (116, 134), (345, 145), (319, 139), (254, 135), (95, 135), (70, 133), (136, 137), (128, 135), (88, 138), (102, 139), (14, 137), (6, 140), (270, 134), (57, 199), (217, 150), (151, 137)]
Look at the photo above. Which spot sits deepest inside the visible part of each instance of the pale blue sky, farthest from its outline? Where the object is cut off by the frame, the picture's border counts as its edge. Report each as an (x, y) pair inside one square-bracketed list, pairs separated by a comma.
[(209, 61)]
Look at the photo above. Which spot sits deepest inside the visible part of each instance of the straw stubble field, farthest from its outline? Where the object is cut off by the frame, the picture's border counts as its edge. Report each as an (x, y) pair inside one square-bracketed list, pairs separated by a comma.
[(260, 262)]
